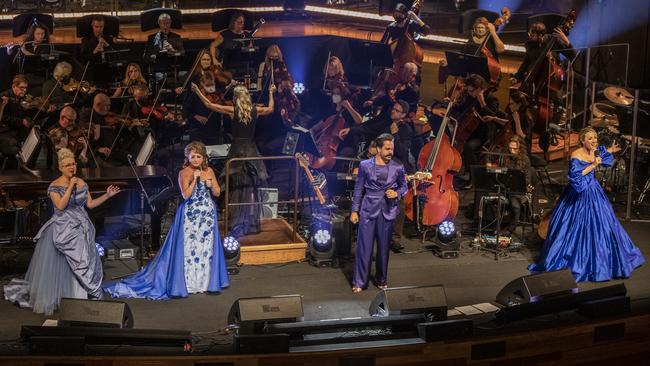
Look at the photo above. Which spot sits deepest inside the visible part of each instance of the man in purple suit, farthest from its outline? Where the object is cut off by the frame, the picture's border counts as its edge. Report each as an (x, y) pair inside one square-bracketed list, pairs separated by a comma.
[(380, 185)]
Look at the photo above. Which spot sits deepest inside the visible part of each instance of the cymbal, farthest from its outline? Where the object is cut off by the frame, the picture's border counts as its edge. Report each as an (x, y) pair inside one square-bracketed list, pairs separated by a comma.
[(602, 123), (602, 110), (618, 96)]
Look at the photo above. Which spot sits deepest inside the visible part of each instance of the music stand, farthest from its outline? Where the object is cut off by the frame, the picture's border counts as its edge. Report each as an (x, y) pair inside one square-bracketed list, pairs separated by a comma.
[(149, 18), (146, 150), (467, 18), (461, 65), (111, 25), (22, 22), (28, 149), (302, 141)]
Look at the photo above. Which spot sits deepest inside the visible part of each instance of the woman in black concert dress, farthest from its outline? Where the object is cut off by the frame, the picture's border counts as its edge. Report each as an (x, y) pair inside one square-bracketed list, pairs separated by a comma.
[(245, 176)]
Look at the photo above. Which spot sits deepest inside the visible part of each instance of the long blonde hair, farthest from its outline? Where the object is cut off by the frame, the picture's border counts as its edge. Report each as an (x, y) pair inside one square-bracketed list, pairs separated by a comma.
[(139, 80), (243, 104)]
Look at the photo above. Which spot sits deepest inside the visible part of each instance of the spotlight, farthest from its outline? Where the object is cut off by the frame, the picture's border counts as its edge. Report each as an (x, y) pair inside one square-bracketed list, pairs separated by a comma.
[(100, 249), (446, 244), (231, 251), (321, 244), (446, 232), (298, 88)]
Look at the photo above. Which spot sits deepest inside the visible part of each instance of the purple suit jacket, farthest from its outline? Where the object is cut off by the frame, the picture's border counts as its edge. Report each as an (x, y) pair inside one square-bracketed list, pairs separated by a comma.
[(370, 195)]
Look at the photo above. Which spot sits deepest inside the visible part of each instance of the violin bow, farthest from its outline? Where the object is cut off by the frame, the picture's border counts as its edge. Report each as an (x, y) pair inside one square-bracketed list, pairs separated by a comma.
[(327, 68), (58, 82), (153, 105), (80, 81)]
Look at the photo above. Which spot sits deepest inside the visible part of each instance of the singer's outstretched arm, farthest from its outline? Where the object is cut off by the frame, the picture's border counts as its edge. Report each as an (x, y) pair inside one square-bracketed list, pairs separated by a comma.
[(94, 202)]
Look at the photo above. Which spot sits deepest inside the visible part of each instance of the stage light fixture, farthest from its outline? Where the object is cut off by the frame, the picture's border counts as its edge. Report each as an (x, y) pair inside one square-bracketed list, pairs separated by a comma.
[(231, 247), (321, 243), (446, 232), (298, 88), (100, 249)]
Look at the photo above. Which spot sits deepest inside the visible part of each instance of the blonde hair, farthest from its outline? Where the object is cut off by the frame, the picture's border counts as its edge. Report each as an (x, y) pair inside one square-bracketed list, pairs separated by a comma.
[(63, 154), (273, 47), (584, 132), (62, 69), (243, 104), (198, 147), (139, 79), (338, 67)]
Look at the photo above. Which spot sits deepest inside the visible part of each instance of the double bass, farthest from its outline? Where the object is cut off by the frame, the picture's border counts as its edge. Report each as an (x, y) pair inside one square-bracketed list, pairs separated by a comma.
[(440, 159), (405, 49), (326, 135), (493, 65), (544, 77)]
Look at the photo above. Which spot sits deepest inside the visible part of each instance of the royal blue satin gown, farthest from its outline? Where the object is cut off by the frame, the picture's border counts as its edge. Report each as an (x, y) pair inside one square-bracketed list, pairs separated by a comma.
[(584, 233), (190, 261)]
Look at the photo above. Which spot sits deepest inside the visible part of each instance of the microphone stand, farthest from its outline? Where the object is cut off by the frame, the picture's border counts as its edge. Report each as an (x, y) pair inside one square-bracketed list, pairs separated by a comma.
[(143, 195)]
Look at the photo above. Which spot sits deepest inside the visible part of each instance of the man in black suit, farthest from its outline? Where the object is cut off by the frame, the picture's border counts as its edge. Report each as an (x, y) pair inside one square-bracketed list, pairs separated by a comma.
[(162, 47), (92, 51)]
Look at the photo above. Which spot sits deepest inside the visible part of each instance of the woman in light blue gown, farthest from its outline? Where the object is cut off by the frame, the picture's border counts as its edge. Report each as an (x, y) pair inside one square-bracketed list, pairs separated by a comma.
[(191, 260), (584, 233), (65, 261)]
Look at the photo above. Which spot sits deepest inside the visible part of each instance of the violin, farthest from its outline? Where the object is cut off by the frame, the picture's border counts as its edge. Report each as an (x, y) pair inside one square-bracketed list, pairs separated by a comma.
[(72, 85), (30, 102), (113, 119), (79, 132)]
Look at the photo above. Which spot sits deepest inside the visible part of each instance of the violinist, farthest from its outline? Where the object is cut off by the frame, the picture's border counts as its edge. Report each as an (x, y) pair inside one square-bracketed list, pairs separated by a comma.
[(224, 42), (132, 76), (483, 28), (535, 45), (92, 51), (59, 139), (101, 135), (334, 73), (162, 45), (521, 117), (205, 65), (159, 118), (406, 24), (272, 59), (16, 116), (63, 87)]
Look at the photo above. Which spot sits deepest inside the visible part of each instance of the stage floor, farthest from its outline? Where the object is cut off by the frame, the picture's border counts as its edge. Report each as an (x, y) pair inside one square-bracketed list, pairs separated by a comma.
[(474, 277)]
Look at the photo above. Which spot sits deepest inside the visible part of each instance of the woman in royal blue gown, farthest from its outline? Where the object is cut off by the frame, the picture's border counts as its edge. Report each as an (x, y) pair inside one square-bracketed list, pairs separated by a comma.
[(584, 233), (191, 260)]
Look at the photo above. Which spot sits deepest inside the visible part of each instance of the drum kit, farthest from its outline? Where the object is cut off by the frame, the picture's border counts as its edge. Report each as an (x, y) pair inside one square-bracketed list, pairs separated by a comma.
[(606, 121)]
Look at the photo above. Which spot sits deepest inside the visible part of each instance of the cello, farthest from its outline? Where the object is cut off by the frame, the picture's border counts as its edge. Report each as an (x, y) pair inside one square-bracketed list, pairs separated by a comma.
[(545, 76), (439, 158)]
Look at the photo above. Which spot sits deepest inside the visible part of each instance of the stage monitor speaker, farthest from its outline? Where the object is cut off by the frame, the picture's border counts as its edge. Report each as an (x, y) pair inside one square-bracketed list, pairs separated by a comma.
[(269, 199), (261, 343), (250, 314), (532, 288), (430, 300), (94, 313)]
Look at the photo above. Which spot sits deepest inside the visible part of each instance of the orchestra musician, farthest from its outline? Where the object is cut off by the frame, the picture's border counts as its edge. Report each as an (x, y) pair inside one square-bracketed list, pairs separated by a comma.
[(17, 112), (477, 99), (37, 42), (535, 45), (483, 28), (94, 118), (406, 24), (285, 115), (132, 76), (204, 124), (406, 87), (62, 88), (59, 139), (92, 52), (161, 45), (159, 118), (224, 42), (334, 73), (273, 58)]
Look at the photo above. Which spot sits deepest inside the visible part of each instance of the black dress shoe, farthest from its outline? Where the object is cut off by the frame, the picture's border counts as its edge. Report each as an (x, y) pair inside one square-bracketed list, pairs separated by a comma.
[(396, 246)]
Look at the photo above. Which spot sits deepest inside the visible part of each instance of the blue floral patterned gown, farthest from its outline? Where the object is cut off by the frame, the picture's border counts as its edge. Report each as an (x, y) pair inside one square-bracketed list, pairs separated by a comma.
[(190, 261), (584, 233)]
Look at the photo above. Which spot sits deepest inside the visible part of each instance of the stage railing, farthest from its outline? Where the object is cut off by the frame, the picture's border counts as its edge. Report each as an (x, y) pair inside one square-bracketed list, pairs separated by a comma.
[(294, 224)]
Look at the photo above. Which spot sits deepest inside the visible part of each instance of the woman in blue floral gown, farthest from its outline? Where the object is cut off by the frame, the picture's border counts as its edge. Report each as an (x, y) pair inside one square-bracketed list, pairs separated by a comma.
[(65, 261), (584, 233), (191, 260)]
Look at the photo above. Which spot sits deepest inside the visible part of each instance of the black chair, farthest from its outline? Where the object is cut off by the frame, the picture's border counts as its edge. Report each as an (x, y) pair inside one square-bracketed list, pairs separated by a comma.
[(111, 25), (22, 22), (149, 18)]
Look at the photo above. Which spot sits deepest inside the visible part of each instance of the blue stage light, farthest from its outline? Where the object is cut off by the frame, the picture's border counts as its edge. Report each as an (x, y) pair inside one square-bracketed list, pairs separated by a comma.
[(321, 234), (446, 232), (230, 247), (298, 88), (100, 249)]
